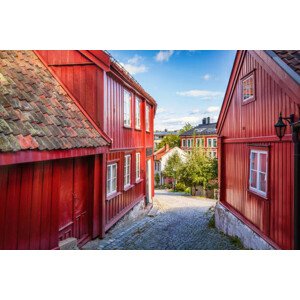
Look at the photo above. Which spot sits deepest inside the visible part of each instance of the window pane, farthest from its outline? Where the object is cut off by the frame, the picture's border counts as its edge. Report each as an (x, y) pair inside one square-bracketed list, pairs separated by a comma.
[(108, 172), (248, 88), (263, 162), (114, 184), (262, 182), (253, 179), (253, 165), (114, 172)]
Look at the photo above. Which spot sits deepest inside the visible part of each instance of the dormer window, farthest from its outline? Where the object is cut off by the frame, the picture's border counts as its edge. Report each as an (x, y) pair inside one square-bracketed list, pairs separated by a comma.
[(248, 88)]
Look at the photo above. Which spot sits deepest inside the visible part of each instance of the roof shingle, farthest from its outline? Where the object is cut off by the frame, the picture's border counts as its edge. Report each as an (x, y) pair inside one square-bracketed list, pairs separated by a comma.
[(291, 58), (35, 111), (201, 129)]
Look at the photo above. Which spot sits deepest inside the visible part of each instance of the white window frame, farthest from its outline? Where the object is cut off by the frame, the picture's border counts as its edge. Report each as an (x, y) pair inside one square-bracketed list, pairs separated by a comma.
[(183, 142), (127, 100), (256, 189), (147, 118), (111, 189), (137, 166), (214, 141), (127, 170), (213, 154), (189, 143), (253, 81), (199, 142), (209, 142), (137, 113)]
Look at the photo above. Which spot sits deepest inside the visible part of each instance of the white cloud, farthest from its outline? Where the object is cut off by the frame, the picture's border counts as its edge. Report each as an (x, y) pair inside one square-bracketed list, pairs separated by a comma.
[(206, 77), (161, 110), (164, 55), (203, 94), (135, 59), (213, 109), (178, 122), (133, 69), (134, 66)]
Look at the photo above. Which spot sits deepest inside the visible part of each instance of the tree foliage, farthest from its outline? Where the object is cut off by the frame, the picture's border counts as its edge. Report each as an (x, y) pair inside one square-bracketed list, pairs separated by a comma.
[(198, 169), (173, 168), (185, 128), (172, 140)]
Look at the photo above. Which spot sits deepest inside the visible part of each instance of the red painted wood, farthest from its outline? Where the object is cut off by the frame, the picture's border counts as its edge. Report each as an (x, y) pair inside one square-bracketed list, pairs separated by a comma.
[(254, 125), (10, 158), (100, 92)]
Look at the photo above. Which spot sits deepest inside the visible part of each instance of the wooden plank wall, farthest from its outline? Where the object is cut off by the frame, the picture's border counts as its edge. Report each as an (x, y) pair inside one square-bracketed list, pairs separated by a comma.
[(28, 206), (118, 205), (273, 217)]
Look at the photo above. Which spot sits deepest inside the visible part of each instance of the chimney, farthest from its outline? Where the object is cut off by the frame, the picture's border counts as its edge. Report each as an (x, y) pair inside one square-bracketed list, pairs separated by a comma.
[(204, 121), (167, 147), (208, 120)]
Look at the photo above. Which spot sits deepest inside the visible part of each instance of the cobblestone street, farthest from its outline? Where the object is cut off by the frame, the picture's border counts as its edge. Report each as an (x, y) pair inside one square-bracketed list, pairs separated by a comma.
[(177, 221)]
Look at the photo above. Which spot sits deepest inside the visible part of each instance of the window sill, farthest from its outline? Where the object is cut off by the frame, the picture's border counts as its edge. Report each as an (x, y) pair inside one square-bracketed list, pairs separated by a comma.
[(111, 196), (138, 129), (128, 187), (127, 127), (245, 102), (147, 131), (256, 194), (139, 180)]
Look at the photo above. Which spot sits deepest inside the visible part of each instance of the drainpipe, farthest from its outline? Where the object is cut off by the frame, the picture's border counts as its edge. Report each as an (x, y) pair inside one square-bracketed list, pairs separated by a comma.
[(296, 141)]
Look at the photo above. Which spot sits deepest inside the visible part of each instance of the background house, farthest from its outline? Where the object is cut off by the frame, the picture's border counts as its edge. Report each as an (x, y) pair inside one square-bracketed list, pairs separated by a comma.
[(255, 168), (159, 135), (161, 157), (203, 136)]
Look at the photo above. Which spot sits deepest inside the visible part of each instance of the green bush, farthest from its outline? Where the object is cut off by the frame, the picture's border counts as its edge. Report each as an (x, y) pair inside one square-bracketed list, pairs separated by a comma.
[(180, 187), (188, 190)]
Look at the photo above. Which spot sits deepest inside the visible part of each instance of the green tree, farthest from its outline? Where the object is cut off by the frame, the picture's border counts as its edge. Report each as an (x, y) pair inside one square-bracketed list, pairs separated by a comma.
[(198, 169), (173, 168), (172, 140), (185, 128), (157, 179)]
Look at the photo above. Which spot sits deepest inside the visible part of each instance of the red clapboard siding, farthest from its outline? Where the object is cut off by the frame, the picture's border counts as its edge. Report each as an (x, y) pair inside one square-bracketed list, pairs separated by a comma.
[(26, 206), (250, 125), (37, 200), (118, 205), (101, 95)]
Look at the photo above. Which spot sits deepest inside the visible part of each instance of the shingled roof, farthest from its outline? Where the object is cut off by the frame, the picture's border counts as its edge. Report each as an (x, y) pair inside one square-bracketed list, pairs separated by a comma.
[(201, 129), (291, 58), (35, 111)]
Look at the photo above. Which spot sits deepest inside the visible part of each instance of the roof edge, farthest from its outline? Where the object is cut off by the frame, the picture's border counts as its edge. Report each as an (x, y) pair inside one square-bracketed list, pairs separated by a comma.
[(284, 65)]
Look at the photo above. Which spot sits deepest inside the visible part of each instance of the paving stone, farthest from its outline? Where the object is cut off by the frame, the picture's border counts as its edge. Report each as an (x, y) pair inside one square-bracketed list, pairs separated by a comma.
[(177, 222)]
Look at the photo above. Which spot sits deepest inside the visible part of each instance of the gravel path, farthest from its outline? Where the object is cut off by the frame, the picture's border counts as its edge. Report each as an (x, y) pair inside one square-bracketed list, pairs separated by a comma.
[(177, 221)]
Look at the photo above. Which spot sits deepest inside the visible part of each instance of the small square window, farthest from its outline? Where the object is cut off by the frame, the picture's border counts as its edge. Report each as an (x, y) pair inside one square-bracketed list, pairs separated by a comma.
[(248, 88)]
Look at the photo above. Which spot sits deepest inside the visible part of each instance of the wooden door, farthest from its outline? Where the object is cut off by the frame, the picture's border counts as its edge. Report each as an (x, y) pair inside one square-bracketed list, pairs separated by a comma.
[(76, 192)]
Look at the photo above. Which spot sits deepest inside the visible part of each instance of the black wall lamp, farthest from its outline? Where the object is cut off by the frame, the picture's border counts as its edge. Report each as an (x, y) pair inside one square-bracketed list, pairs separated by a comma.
[(280, 128)]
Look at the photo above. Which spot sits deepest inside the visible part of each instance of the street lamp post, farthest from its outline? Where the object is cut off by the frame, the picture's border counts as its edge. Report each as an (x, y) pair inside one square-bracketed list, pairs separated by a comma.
[(280, 128)]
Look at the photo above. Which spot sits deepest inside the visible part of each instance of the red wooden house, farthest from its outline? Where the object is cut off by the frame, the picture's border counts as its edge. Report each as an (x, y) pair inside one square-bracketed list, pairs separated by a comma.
[(76, 142), (256, 168)]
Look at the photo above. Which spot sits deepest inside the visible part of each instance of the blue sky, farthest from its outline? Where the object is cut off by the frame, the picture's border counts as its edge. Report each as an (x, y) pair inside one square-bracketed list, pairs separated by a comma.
[(187, 85)]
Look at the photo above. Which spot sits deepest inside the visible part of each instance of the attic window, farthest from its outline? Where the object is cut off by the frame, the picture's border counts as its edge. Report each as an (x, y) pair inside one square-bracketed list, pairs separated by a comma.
[(248, 88)]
